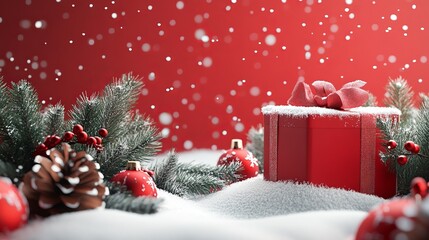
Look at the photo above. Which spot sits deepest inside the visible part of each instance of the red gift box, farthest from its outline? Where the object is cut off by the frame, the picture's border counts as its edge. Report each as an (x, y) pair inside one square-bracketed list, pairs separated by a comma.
[(328, 147)]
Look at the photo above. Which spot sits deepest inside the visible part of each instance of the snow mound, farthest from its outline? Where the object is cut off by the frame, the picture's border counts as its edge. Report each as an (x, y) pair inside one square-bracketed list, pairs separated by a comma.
[(255, 198), (251, 209), (113, 224)]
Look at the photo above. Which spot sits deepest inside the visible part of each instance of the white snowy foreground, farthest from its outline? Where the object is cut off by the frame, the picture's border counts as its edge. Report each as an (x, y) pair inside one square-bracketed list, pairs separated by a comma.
[(251, 209)]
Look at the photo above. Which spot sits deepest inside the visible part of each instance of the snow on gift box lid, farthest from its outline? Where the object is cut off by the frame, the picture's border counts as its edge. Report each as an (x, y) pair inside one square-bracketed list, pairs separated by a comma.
[(303, 112)]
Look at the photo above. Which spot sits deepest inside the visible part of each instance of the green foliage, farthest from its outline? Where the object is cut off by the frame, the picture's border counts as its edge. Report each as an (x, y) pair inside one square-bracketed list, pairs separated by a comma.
[(121, 199), (131, 136), (54, 120), (255, 144), (400, 95), (138, 143), (188, 179), (413, 126), (20, 126)]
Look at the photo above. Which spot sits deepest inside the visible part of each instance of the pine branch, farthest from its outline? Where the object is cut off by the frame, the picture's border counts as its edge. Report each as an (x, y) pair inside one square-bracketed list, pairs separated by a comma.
[(118, 99), (400, 95), (54, 120), (23, 120), (140, 145), (123, 200), (255, 144), (226, 173), (87, 112), (401, 133), (188, 179), (164, 170), (189, 185)]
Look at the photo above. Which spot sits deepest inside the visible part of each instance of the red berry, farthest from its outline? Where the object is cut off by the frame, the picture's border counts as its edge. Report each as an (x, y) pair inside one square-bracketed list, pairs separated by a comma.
[(82, 137), (55, 140), (41, 148), (419, 186), (47, 139), (99, 140), (103, 132), (77, 129), (68, 136), (409, 146), (402, 160), (392, 144), (416, 149), (91, 141)]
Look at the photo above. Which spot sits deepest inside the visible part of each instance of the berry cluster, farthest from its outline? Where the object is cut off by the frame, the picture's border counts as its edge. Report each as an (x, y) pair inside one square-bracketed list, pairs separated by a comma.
[(410, 146), (78, 135)]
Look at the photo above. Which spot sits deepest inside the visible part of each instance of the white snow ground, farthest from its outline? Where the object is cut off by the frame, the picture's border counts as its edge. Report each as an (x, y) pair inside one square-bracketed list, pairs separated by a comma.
[(251, 209)]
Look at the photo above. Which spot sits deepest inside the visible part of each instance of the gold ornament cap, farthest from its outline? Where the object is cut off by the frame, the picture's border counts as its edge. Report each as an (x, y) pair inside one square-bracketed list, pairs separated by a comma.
[(236, 144), (133, 165)]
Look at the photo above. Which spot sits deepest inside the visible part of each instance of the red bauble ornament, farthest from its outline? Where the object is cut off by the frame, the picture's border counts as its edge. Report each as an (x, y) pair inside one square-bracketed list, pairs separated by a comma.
[(416, 149), (13, 207), (138, 181), (103, 132), (68, 136), (402, 160), (401, 218), (409, 146), (250, 166), (392, 144), (82, 137), (77, 129)]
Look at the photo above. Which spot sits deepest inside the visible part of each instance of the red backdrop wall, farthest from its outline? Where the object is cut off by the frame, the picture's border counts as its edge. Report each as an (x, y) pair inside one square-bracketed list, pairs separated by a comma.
[(209, 65)]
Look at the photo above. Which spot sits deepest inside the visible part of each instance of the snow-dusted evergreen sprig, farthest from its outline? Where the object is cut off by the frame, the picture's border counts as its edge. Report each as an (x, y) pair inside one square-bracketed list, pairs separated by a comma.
[(141, 145), (54, 120), (23, 127), (393, 130), (20, 119), (86, 112), (255, 144), (189, 179), (413, 126), (121, 199), (400, 95)]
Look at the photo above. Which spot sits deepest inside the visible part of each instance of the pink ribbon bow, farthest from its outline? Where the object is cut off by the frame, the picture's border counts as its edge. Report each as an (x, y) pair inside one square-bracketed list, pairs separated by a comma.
[(349, 96)]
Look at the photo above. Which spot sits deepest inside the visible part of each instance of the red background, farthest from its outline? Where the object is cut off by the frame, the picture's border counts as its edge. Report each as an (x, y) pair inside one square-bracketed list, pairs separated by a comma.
[(213, 86)]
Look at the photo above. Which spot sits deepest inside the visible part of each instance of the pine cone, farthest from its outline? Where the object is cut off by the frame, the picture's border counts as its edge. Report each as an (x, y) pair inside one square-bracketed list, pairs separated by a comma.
[(66, 182)]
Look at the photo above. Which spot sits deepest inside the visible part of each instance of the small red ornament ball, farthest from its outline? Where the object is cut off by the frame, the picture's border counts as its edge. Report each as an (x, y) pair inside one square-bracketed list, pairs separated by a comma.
[(103, 132), (419, 186), (402, 160), (392, 144), (91, 141), (416, 149), (138, 181), (77, 129), (409, 146), (13, 207), (82, 137), (250, 166), (68, 136), (98, 140)]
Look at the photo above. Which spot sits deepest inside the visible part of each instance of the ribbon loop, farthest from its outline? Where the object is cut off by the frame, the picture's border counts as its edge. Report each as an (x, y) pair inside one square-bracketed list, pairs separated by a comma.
[(349, 96)]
